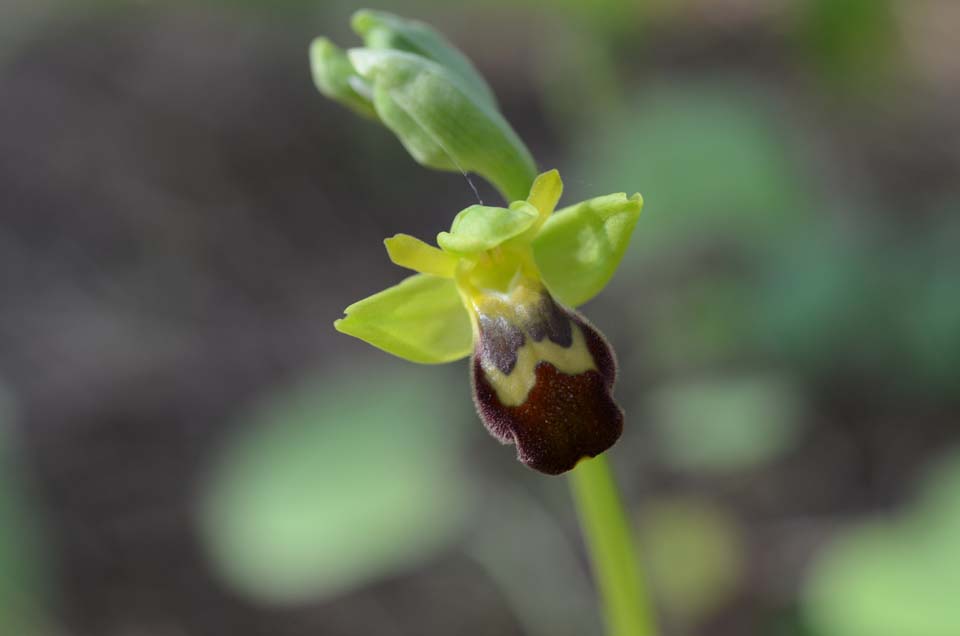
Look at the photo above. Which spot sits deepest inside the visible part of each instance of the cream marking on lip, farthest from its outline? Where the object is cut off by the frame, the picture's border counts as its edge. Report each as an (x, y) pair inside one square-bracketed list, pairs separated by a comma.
[(512, 389)]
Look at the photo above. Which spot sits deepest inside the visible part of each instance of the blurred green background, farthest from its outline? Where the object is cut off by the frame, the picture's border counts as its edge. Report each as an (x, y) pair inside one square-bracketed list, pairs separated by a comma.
[(188, 448)]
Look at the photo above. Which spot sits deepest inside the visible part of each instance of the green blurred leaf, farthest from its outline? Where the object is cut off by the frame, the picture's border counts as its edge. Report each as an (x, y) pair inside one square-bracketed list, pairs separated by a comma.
[(710, 161), (817, 311), (933, 321), (694, 553), (725, 424), (850, 42), (937, 513), (700, 324), (580, 247), (335, 483), (894, 577), (865, 301), (422, 319)]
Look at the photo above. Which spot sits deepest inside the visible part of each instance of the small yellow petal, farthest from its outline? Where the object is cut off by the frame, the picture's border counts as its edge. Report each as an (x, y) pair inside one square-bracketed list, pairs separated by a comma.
[(545, 193), (412, 253)]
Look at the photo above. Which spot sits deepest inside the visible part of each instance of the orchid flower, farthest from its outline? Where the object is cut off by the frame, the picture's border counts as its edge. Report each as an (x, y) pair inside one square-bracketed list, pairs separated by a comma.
[(500, 286)]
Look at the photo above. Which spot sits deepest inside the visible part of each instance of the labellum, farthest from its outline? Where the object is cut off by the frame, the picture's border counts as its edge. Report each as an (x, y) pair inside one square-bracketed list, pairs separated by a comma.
[(542, 377)]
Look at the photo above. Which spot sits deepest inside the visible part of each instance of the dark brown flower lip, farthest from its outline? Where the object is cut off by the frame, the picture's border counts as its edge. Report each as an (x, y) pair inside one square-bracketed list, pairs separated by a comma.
[(563, 416)]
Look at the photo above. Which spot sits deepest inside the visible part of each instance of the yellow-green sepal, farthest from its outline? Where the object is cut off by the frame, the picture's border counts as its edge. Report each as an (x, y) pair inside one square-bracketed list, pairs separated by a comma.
[(482, 227), (335, 77), (579, 247), (410, 252), (422, 319)]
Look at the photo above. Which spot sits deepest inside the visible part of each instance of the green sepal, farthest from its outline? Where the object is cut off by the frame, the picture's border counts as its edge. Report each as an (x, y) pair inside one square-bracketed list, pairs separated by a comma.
[(422, 319), (481, 227), (441, 122), (579, 247), (335, 77), (381, 30)]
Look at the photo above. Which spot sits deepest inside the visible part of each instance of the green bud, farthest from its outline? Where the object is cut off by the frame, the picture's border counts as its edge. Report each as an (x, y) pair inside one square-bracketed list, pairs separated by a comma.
[(441, 123), (336, 78), (430, 96), (381, 30)]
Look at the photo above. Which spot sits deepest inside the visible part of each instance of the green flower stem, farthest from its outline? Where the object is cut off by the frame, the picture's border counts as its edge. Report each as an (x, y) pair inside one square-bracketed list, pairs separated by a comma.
[(627, 610)]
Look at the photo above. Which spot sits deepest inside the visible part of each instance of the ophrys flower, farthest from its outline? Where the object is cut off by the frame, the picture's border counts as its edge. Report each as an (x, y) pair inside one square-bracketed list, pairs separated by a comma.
[(501, 285)]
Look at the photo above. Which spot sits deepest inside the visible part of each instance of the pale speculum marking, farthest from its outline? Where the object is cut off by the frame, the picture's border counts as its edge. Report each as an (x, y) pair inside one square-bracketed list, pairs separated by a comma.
[(539, 332)]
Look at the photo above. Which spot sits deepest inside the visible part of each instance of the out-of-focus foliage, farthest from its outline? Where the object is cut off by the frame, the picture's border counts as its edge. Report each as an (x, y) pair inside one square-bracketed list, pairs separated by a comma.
[(538, 565), (695, 554), (723, 195), (726, 423), (334, 483), (846, 309), (929, 282), (710, 162), (850, 42), (895, 576), (22, 583)]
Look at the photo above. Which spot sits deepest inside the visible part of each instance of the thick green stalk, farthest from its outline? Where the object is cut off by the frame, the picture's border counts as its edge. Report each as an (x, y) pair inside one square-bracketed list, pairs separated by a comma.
[(627, 610)]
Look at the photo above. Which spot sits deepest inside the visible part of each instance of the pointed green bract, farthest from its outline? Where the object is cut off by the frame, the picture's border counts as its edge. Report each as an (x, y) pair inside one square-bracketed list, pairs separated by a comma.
[(410, 252), (381, 30), (578, 248), (480, 227), (441, 122), (336, 78), (422, 319)]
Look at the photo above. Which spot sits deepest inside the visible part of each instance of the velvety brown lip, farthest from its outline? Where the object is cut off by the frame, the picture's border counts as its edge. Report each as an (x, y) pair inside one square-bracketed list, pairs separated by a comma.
[(565, 417)]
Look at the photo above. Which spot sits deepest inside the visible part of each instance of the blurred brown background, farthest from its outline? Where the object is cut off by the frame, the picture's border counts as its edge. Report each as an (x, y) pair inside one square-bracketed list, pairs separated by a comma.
[(188, 448)]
